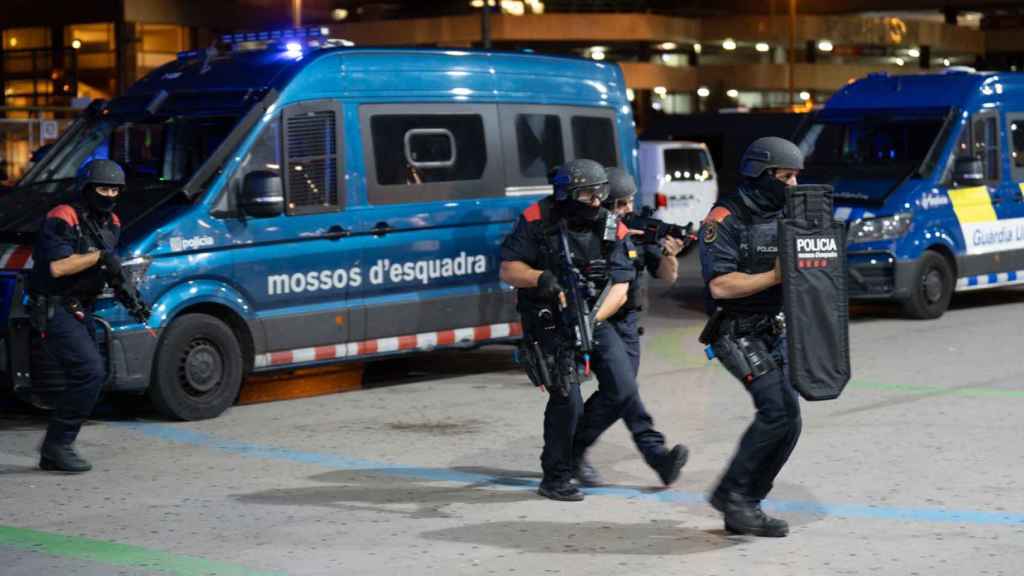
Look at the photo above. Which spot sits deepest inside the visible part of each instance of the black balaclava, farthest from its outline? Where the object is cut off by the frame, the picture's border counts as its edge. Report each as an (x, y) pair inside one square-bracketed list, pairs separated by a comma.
[(97, 202), (766, 193), (580, 215)]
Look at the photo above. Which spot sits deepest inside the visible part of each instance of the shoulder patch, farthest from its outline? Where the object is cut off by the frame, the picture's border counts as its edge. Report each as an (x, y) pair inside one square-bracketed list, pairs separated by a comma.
[(621, 231), (532, 214), (718, 214), (65, 213), (709, 232)]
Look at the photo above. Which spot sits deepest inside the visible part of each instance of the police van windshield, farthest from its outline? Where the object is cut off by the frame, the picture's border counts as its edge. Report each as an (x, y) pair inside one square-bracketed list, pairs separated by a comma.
[(687, 164), (876, 149), (158, 155)]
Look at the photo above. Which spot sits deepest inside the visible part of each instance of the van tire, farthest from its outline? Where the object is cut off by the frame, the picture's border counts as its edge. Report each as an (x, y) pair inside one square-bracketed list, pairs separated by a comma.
[(932, 287), (198, 369)]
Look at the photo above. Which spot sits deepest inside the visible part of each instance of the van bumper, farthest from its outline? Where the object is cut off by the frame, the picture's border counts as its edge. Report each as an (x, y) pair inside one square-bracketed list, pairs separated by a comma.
[(131, 359), (878, 276)]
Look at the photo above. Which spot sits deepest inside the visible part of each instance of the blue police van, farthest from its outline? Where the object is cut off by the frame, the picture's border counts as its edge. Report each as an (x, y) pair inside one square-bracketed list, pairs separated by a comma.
[(293, 201), (928, 172)]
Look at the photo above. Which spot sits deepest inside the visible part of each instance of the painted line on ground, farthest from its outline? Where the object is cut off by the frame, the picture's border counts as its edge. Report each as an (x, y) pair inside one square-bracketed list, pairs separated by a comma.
[(180, 435), (978, 391), (115, 554)]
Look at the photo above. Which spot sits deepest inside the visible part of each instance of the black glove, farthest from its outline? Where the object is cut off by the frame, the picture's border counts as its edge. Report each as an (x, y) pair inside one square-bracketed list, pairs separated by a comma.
[(111, 263), (548, 287)]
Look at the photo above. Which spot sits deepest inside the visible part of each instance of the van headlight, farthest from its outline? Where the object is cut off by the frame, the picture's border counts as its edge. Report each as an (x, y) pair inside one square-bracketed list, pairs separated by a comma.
[(135, 269), (874, 229)]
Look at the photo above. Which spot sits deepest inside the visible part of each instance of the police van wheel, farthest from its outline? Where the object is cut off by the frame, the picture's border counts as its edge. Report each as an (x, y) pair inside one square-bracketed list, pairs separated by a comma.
[(932, 288), (198, 370)]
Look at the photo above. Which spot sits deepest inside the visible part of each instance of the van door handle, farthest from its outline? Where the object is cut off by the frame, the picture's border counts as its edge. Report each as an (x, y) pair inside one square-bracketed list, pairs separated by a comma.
[(335, 232), (382, 228)]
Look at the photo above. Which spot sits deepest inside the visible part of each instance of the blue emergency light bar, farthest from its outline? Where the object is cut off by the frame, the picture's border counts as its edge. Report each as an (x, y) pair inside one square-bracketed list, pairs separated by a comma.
[(276, 35), (290, 39)]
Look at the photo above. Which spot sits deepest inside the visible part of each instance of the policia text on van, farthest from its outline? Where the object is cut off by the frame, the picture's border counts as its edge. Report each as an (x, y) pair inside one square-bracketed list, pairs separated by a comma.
[(308, 205), (928, 171)]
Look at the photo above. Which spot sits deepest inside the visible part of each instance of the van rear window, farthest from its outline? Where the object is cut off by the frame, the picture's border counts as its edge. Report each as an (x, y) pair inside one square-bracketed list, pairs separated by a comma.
[(594, 138)]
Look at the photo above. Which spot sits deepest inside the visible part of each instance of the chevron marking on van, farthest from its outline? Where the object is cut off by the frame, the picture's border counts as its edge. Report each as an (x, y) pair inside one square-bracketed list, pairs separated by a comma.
[(989, 280), (406, 343), (15, 258)]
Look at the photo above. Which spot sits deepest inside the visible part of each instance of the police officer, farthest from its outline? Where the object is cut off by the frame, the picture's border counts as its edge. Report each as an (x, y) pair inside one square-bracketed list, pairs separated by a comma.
[(529, 263), (70, 270), (660, 261), (739, 261)]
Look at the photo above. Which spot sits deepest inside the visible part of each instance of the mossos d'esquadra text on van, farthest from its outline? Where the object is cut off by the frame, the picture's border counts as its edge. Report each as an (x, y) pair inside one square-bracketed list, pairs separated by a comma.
[(382, 271)]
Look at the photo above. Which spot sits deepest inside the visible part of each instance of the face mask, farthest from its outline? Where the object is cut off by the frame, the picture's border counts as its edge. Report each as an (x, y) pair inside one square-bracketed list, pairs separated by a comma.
[(98, 202), (768, 194)]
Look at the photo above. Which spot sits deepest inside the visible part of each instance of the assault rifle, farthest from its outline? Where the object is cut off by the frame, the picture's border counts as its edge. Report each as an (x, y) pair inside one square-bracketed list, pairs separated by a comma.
[(559, 337), (122, 284), (654, 230)]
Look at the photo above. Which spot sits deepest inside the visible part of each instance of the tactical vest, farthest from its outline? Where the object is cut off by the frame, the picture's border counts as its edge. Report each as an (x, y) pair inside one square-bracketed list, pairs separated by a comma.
[(87, 284), (758, 249)]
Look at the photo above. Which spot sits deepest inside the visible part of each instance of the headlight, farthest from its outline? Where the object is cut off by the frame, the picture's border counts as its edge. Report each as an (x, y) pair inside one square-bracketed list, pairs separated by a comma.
[(135, 269), (873, 229)]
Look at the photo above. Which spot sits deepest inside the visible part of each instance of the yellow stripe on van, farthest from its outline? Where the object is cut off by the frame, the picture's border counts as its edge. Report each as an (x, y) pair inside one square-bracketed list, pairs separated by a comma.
[(972, 204)]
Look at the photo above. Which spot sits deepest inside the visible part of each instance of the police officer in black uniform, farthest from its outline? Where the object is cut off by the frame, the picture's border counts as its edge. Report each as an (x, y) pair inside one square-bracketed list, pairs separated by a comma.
[(660, 261), (739, 261), (71, 268), (529, 263)]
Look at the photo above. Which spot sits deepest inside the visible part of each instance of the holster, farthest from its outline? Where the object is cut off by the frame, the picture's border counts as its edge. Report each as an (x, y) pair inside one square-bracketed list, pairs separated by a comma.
[(739, 345), (41, 309)]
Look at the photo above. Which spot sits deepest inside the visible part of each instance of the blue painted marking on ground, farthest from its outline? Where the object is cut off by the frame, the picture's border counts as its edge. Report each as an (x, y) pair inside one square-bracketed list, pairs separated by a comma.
[(938, 515)]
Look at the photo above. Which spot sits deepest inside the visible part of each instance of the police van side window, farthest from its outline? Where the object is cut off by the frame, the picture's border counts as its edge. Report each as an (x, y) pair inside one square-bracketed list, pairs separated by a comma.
[(429, 152), (312, 158), (594, 137), (985, 143), (539, 143), (1016, 124)]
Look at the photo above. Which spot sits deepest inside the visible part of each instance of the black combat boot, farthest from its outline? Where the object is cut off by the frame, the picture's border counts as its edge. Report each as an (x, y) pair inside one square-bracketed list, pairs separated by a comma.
[(563, 491), (586, 474), (62, 458), (743, 516), (671, 464)]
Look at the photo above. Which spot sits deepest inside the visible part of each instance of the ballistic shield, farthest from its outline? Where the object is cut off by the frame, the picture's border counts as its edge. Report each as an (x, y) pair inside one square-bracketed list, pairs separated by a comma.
[(812, 249)]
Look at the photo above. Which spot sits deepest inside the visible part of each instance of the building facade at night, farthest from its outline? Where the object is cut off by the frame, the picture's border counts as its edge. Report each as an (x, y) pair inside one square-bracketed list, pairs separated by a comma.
[(678, 57)]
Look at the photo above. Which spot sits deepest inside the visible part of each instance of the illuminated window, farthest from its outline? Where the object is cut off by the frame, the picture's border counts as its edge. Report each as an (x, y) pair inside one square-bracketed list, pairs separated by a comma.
[(26, 38), (93, 37)]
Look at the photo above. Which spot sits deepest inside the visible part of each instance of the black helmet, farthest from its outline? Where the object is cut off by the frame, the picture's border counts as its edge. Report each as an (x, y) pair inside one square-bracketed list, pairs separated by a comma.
[(620, 184), (578, 175), (770, 152), (100, 173)]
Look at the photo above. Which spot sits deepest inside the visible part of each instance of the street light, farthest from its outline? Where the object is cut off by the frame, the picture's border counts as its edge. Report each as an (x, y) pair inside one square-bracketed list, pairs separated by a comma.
[(762, 47), (668, 46), (703, 92), (914, 53), (732, 93), (805, 95), (825, 46), (729, 44)]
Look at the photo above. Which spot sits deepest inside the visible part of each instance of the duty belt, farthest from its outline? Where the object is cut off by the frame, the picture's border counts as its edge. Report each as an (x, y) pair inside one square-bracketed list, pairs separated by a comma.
[(767, 324)]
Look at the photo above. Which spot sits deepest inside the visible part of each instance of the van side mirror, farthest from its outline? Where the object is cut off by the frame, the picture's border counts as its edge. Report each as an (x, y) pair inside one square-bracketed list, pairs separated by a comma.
[(262, 194), (968, 171)]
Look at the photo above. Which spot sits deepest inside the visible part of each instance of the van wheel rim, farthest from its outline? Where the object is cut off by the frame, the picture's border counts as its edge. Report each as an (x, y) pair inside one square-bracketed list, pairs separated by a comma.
[(201, 367), (932, 286)]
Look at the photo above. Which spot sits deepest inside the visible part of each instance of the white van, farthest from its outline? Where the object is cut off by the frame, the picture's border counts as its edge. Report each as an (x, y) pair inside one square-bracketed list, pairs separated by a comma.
[(677, 181)]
